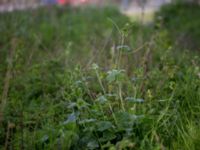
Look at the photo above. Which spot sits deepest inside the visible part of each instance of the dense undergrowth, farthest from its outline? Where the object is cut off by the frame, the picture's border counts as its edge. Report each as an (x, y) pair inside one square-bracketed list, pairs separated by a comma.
[(182, 21), (91, 79)]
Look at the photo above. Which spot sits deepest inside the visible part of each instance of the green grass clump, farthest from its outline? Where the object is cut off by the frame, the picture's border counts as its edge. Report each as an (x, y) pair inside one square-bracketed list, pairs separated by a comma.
[(91, 79), (182, 21)]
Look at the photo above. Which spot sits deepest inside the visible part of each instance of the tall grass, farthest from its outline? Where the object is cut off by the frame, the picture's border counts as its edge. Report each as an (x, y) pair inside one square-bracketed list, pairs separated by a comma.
[(87, 79)]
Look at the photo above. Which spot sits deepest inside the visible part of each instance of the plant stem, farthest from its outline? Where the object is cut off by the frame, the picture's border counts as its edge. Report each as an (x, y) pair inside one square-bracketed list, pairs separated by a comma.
[(100, 82), (120, 96)]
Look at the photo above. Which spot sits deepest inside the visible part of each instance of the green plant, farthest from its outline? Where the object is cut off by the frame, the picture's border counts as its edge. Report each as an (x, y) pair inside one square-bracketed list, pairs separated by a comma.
[(98, 83)]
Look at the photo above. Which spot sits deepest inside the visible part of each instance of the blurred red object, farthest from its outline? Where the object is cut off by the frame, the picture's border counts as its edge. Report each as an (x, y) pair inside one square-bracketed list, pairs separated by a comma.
[(65, 2)]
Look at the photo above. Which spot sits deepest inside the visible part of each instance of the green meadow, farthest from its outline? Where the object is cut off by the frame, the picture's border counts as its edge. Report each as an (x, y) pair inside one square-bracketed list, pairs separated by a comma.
[(90, 78)]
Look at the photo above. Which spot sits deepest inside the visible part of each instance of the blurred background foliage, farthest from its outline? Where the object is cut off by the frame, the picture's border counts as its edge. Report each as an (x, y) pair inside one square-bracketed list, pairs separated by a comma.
[(92, 78)]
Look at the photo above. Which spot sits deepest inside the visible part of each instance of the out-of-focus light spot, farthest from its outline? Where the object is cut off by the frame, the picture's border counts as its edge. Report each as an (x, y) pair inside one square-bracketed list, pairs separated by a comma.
[(83, 0), (63, 2)]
